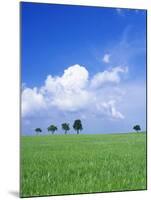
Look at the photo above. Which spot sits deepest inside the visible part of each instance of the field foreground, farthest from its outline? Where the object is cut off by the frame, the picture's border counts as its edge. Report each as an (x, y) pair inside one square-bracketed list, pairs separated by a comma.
[(69, 164)]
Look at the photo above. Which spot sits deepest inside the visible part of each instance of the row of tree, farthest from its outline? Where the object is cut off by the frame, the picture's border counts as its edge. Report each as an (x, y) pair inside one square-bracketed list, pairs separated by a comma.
[(77, 126)]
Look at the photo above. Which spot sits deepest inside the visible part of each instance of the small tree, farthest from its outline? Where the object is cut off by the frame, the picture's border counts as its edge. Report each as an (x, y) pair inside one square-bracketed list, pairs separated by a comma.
[(77, 125), (38, 130), (52, 128), (137, 128), (65, 127)]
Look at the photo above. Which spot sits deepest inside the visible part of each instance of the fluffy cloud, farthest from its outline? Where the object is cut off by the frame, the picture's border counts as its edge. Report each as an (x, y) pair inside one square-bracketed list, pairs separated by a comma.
[(32, 101), (110, 76), (73, 79), (106, 58), (74, 92), (68, 92)]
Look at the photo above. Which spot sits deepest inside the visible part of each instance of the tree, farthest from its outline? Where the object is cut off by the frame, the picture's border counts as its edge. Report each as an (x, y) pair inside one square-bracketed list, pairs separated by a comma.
[(137, 128), (52, 128), (38, 130), (65, 127), (77, 125)]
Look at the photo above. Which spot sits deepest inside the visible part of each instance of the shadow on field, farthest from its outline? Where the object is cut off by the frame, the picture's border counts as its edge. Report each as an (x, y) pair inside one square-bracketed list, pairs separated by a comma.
[(14, 193)]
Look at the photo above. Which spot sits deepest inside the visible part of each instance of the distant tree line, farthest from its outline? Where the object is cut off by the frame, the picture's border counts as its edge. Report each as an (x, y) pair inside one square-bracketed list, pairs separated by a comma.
[(77, 126)]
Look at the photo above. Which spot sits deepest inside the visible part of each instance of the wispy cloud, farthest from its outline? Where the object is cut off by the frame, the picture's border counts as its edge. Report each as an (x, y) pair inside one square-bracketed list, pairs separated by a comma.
[(127, 47), (106, 58), (121, 11)]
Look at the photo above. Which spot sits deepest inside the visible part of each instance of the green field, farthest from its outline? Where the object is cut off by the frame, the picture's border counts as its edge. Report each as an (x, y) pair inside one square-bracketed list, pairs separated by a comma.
[(68, 164)]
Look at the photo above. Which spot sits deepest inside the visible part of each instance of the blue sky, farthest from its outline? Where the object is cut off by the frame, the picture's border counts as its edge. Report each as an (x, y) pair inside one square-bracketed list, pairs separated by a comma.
[(83, 62)]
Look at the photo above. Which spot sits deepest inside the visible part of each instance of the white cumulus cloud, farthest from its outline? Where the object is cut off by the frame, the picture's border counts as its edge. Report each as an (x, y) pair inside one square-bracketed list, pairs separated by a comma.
[(68, 92), (75, 91), (108, 76), (32, 101)]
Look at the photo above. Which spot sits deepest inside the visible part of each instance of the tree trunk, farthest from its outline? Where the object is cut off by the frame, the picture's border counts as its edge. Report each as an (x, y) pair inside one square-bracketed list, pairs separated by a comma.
[(77, 131)]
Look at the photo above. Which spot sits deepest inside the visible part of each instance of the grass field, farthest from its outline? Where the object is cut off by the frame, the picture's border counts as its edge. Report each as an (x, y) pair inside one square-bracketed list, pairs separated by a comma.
[(67, 164)]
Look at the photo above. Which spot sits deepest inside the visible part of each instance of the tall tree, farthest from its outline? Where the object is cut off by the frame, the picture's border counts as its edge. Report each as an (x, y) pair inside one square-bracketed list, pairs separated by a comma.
[(137, 128), (52, 128), (77, 125), (65, 127), (38, 130)]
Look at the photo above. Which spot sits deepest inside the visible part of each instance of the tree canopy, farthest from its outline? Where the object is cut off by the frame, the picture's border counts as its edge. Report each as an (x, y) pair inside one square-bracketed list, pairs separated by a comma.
[(52, 128), (77, 125), (38, 130), (137, 128), (65, 127)]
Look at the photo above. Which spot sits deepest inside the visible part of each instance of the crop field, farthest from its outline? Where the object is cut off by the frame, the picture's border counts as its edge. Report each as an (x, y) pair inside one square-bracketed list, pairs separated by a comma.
[(69, 164)]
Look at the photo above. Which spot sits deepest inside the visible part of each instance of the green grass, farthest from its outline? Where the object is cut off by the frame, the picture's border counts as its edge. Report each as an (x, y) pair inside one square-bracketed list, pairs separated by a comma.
[(68, 164)]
